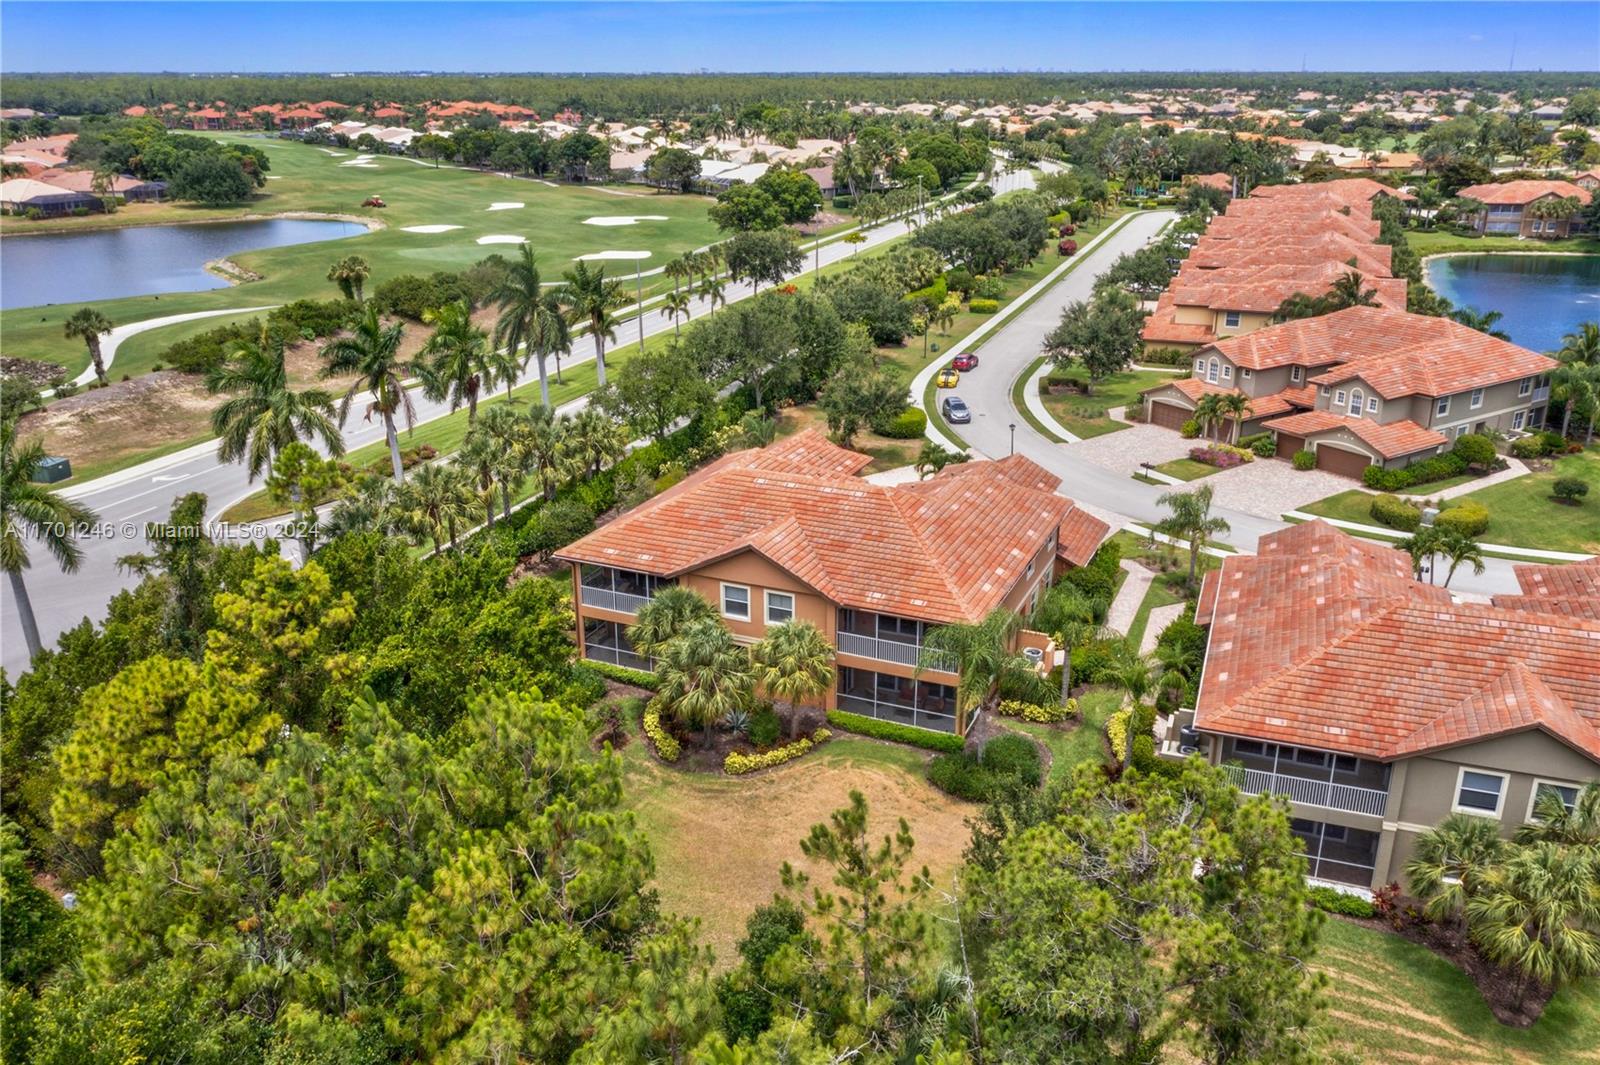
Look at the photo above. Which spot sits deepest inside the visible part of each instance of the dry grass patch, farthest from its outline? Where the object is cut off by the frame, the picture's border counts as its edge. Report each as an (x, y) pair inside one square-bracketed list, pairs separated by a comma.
[(887, 453), (105, 429)]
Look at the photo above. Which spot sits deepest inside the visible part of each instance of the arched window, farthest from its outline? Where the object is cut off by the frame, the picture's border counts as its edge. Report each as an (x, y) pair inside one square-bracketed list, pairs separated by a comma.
[(1357, 399), (1211, 372)]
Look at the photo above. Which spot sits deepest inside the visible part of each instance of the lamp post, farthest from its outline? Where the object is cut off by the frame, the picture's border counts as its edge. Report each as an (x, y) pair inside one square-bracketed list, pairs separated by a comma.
[(816, 246), (1013, 438), (638, 288)]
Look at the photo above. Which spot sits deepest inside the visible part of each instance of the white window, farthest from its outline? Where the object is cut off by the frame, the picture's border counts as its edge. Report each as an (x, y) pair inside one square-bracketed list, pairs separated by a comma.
[(736, 602), (1030, 569), (1294, 374), (1479, 791), (1477, 399), (1524, 386), (1227, 373), (1355, 403), (780, 607), (1338, 398), (1245, 374), (1442, 407), (1231, 319), (1518, 418), (1199, 366), (1568, 794), (1211, 372), (1324, 389)]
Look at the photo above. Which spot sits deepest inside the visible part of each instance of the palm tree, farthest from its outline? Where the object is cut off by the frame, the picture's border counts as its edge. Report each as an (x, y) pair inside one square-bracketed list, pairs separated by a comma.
[(434, 503), (1538, 912), (87, 325), (1069, 615), (530, 317), (590, 298), (1191, 521), (794, 663), (658, 622), (1208, 412), (675, 305), (979, 653), (1234, 407), (506, 430), (1554, 823), (1459, 548), (1131, 670), (372, 353), (545, 449), (1451, 861), (366, 507), (704, 675), (680, 269), (714, 291), (489, 466), (1346, 291), (29, 511), (1578, 376), (595, 439), (350, 274), (454, 364), (264, 415), (1422, 545), (1483, 322)]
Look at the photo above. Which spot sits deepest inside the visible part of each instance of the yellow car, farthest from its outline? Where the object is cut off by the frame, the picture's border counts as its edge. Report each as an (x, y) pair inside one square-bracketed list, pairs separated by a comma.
[(948, 378)]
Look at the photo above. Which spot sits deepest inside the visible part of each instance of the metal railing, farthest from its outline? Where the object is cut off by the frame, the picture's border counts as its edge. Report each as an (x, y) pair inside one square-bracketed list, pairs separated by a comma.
[(606, 599), (906, 654), (1542, 392), (1309, 792), (600, 652), (905, 715)]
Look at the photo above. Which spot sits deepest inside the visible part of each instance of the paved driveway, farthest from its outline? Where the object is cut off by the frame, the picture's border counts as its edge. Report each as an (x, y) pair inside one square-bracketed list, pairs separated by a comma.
[(1124, 450), (1268, 487)]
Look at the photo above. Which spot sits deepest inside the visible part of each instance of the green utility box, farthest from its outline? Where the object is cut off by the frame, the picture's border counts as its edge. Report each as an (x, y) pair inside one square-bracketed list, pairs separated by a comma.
[(52, 469)]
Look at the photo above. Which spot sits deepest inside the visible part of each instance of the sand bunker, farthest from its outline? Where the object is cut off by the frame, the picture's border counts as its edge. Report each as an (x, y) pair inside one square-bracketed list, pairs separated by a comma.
[(612, 255), (508, 206), (623, 219), (502, 238), (363, 161), (427, 229)]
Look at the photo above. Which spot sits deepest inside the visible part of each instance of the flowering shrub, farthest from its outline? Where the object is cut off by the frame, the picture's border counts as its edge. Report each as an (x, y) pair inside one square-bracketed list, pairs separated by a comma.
[(1117, 732), (1037, 712), (666, 745), (737, 763), (1215, 456)]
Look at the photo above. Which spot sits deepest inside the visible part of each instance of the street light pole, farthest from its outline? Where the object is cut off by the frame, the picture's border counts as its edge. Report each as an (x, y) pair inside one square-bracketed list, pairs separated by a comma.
[(816, 246), (1013, 438), (638, 287)]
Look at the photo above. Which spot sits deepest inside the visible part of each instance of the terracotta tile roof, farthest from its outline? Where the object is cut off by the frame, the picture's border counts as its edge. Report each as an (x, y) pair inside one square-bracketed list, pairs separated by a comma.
[(1325, 641), (1260, 406), (1079, 536), (208, 112), (1512, 193), (946, 549), (1392, 440), (1571, 590), (1220, 181)]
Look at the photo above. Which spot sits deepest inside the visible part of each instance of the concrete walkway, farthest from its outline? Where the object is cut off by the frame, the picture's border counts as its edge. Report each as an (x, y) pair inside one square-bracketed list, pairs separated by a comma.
[(111, 341), (1129, 596), (1514, 468), (1159, 619)]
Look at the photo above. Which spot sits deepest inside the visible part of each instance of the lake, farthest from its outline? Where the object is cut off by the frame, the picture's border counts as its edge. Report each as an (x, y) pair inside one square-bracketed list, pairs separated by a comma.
[(1543, 297), (140, 260)]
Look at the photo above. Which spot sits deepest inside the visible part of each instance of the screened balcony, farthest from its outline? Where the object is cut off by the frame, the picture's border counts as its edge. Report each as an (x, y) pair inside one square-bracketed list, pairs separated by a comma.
[(1338, 854), (886, 638), (622, 590), (607, 641), (1308, 776), (910, 702)]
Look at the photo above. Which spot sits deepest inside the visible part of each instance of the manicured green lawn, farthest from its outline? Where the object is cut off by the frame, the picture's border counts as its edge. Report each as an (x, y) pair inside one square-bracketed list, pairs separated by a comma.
[(312, 181), (1159, 594), (1523, 513), (1186, 469), (1085, 416), (1392, 1000), (1437, 242), (1352, 505), (1073, 744)]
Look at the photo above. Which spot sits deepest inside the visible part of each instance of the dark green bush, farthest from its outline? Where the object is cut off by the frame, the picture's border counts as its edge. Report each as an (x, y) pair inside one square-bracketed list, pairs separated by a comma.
[(765, 728), (1570, 489), (909, 424), (959, 280), (320, 317), (895, 732), (958, 773), (205, 351), (1015, 757), (1466, 516), (1304, 460), (1330, 900), (624, 675), (556, 525), (584, 685), (1474, 449)]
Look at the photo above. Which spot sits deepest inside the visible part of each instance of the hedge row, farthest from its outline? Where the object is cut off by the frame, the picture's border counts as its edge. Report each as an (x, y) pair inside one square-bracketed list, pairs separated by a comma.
[(895, 732), (623, 675), (1037, 712), (738, 764), (1333, 901), (666, 745)]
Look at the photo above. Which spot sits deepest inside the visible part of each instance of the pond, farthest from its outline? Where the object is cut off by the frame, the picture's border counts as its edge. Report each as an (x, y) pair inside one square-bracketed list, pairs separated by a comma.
[(1543, 297), (140, 260)]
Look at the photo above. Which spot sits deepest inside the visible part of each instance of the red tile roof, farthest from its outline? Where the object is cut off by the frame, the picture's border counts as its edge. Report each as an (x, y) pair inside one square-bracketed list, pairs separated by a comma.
[(1260, 406), (1513, 193), (1571, 590), (1325, 641), (946, 549), (1392, 440)]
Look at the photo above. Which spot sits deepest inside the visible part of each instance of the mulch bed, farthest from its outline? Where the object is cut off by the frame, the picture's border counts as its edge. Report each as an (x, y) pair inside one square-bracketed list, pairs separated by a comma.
[(1512, 1003)]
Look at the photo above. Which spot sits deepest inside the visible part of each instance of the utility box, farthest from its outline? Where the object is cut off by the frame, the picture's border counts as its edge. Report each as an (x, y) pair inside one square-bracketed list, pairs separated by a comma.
[(52, 469)]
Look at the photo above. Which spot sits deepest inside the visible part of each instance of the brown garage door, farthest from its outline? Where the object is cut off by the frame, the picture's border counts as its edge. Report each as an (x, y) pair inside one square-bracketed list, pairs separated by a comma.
[(1337, 460), (1167, 415), (1288, 445)]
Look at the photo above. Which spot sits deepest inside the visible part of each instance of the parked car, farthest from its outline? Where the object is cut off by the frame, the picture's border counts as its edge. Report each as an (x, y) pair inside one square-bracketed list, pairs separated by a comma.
[(955, 410), (965, 361), (948, 378)]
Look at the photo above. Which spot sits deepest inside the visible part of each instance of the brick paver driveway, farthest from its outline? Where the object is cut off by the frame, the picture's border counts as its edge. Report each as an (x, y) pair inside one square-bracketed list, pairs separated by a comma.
[(1124, 450), (1268, 487)]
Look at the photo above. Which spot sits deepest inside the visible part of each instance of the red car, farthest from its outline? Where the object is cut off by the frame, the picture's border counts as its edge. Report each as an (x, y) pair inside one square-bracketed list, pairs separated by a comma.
[(373, 201), (965, 361)]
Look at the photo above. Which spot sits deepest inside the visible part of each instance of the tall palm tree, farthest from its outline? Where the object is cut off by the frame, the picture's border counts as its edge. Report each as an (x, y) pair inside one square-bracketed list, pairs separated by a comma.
[(435, 503), (372, 353), (1483, 322), (1208, 412), (1578, 376), (714, 291), (530, 318), (545, 448), (704, 675), (454, 364), (668, 613), (794, 663), (980, 653), (1451, 861), (489, 466), (1539, 913), (675, 305), (1460, 549), (506, 431), (264, 415), (1132, 670), (1422, 545), (680, 269), (350, 274), (29, 511), (87, 325), (1191, 521), (595, 440), (1554, 823), (590, 298), (1234, 407)]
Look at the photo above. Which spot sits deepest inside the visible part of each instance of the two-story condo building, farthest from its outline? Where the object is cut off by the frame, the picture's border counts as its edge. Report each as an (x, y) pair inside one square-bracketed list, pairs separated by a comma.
[(1365, 386), (791, 531), (1509, 208), (1379, 707)]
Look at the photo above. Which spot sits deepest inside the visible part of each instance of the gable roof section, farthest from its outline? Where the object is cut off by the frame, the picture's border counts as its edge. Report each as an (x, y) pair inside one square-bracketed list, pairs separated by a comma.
[(1389, 439), (1512, 193), (1572, 590)]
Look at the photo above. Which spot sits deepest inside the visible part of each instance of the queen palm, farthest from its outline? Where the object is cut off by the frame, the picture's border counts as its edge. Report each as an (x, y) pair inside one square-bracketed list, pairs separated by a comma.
[(1234, 407), (794, 663), (658, 622), (1208, 412), (980, 653), (87, 325), (704, 675), (263, 415), (350, 275), (434, 503), (1191, 521), (530, 318), (372, 353), (506, 430), (31, 512), (675, 305), (595, 439), (1460, 549), (455, 364), (1131, 670), (1451, 861), (1346, 291), (1483, 322), (713, 290), (680, 269), (590, 298)]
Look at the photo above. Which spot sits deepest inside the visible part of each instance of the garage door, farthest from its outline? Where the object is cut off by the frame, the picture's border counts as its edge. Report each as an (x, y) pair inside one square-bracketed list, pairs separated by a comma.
[(1288, 445), (1167, 415), (1337, 460)]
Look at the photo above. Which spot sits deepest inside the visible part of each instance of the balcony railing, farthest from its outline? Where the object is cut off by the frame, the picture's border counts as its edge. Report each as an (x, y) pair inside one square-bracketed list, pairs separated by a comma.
[(606, 599), (1541, 393), (1309, 792), (906, 654), (601, 652)]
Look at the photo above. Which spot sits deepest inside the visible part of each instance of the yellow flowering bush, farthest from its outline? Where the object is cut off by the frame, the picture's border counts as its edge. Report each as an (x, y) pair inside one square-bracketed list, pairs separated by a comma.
[(666, 745), (1117, 732), (1038, 712), (738, 764)]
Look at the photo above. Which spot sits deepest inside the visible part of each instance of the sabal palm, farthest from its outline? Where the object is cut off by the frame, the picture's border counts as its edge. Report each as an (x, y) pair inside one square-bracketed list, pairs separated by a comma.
[(454, 364), (794, 663), (435, 503), (487, 464), (589, 298), (31, 512), (704, 675), (88, 325), (506, 430), (545, 449), (595, 440), (1451, 861), (675, 305), (372, 353), (671, 610), (1554, 823), (530, 318), (365, 507), (980, 653), (263, 415), (1539, 913), (1191, 521), (350, 275)]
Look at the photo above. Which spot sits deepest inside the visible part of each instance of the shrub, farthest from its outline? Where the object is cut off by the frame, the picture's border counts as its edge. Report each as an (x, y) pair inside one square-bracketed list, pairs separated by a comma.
[(409, 457), (988, 288), (909, 424), (737, 764), (895, 732), (1395, 512), (983, 306), (556, 525), (205, 351), (959, 280), (764, 726), (1570, 489), (666, 745), (1015, 758), (1067, 247), (1040, 713), (623, 675), (319, 318), (1529, 447), (1304, 460), (1165, 357), (1189, 429), (1221, 456), (1117, 730), (1262, 445), (1331, 900), (1467, 516), (584, 685), (1475, 449), (844, 203), (958, 773), (1552, 441)]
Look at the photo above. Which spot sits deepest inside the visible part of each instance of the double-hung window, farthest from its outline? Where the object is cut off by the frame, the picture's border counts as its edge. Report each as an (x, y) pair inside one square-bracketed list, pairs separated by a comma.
[(1372, 404), (1294, 374), (1525, 386), (780, 608), (1567, 793), (1479, 791), (1227, 373), (1477, 399), (1442, 407), (1230, 319), (736, 602)]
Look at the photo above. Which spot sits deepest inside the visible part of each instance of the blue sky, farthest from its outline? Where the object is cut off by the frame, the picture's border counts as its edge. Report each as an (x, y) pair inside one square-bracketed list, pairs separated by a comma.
[(794, 36)]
